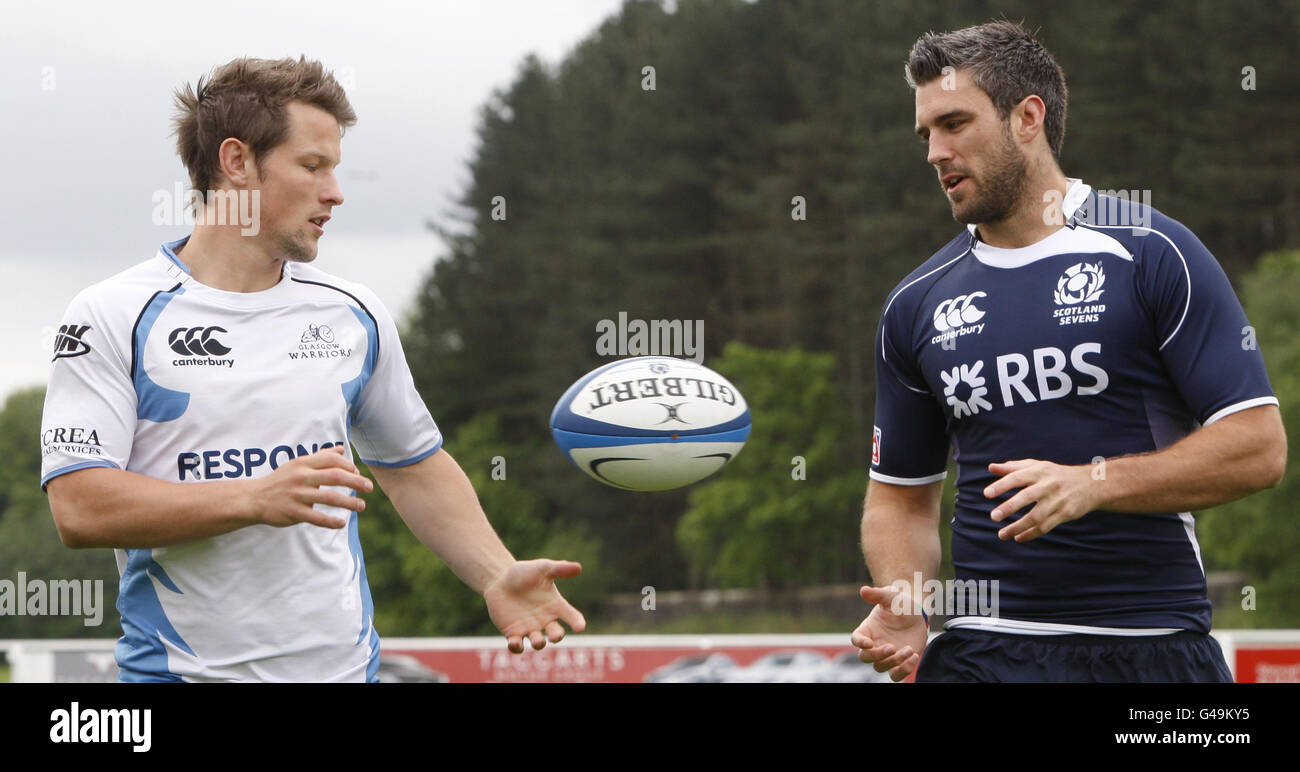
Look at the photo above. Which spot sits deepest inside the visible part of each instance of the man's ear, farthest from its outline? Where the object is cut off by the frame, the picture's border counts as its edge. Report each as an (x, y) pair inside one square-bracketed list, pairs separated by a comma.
[(235, 159), (1028, 119)]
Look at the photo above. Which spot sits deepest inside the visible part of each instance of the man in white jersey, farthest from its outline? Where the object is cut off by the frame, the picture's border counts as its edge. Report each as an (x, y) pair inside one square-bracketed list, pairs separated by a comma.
[(203, 404)]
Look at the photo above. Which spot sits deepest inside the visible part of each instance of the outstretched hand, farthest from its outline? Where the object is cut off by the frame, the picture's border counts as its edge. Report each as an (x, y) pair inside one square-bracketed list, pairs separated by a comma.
[(525, 603), (890, 641)]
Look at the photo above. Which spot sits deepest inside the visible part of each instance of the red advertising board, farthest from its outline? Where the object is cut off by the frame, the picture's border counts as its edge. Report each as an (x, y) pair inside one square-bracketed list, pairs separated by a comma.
[(1271, 665), (638, 659)]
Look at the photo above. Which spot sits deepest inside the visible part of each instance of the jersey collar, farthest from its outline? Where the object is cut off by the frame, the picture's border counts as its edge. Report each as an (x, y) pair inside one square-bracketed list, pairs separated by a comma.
[(1000, 257)]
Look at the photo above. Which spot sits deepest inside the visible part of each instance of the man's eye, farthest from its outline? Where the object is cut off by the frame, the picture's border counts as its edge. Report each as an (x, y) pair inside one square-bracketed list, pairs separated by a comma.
[(952, 125), (309, 168)]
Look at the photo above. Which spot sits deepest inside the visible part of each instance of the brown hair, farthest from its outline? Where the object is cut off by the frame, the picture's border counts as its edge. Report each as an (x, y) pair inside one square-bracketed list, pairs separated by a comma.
[(245, 99), (1005, 61)]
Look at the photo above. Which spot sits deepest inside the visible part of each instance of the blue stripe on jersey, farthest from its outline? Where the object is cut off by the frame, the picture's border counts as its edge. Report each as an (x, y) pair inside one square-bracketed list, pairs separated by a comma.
[(367, 602), (75, 468), (353, 388), (154, 402), (406, 461), (144, 622), (169, 249), (355, 299)]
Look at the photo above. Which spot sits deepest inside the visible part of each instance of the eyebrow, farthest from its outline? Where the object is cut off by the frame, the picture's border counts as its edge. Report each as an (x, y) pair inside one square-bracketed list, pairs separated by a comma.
[(318, 155), (921, 131)]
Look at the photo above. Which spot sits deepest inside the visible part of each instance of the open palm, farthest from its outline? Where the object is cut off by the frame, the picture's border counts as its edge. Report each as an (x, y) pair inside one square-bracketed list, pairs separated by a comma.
[(525, 603)]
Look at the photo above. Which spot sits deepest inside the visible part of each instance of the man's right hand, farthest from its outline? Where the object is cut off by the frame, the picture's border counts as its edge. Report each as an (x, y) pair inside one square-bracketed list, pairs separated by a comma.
[(892, 642), (288, 495)]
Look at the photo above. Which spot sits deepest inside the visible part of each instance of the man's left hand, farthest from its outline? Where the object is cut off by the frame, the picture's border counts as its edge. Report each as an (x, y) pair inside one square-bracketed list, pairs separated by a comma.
[(1058, 494), (524, 603)]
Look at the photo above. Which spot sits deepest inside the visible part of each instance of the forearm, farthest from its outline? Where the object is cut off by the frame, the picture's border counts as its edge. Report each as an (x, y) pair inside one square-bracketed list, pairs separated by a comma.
[(439, 504), (114, 508), (1224, 461), (900, 537)]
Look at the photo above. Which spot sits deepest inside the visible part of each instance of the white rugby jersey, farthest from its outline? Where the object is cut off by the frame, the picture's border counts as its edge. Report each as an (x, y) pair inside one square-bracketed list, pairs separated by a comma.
[(158, 374)]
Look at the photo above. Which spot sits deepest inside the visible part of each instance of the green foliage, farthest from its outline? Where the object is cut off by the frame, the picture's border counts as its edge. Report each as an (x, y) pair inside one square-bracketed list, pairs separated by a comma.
[(1260, 534), (676, 203), (29, 540), (416, 593), (784, 511)]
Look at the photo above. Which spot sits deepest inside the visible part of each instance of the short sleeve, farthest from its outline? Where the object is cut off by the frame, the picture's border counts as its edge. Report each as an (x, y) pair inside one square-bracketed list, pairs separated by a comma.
[(90, 406), (1205, 340), (909, 439), (390, 425)]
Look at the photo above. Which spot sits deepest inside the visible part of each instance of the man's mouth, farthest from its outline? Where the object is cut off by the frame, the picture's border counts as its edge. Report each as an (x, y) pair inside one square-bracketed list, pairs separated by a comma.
[(952, 181), (319, 223)]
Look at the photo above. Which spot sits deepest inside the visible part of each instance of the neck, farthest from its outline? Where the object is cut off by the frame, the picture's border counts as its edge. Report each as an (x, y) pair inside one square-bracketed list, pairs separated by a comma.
[(219, 257), (1036, 216)]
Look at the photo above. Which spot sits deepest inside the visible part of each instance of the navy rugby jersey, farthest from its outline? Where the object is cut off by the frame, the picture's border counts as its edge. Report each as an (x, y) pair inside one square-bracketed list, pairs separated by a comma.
[(1117, 334)]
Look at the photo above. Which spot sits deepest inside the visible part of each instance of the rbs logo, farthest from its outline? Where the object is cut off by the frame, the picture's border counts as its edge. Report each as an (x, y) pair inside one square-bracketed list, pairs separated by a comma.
[(1043, 375)]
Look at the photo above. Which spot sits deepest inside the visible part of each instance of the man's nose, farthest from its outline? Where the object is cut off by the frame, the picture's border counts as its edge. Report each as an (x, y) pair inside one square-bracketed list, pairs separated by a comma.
[(333, 192), (938, 152)]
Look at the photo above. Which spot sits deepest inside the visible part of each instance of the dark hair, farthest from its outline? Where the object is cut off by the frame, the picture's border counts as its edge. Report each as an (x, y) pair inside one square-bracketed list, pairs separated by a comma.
[(245, 99), (1004, 60)]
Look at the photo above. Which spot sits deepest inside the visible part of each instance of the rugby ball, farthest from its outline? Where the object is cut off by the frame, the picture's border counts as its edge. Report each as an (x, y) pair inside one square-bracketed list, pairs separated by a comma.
[(651, 423)]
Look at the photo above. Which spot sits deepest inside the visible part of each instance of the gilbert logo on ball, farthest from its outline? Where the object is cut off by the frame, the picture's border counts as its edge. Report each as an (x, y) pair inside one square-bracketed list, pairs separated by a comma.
[(651, 423)]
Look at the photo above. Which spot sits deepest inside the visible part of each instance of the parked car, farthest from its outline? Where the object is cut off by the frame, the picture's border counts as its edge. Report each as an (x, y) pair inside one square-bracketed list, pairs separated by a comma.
[(846, 668), (781, 667), (694, 669), (405, 669)]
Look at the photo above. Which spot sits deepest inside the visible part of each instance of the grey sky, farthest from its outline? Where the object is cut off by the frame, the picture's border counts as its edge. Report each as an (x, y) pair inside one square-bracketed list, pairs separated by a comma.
[(85, 136)]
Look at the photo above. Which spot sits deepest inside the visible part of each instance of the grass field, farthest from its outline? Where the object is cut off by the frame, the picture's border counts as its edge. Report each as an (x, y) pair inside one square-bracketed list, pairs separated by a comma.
[(4, 674)]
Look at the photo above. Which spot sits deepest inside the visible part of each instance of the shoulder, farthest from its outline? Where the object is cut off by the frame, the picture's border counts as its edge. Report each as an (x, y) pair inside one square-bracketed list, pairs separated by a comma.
[(315, 282), (118, 300), (911, 291), (1144, 231)]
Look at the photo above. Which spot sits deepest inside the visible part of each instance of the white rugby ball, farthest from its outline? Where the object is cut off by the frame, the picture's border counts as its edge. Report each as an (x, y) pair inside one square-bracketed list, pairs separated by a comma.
[(651, 423)]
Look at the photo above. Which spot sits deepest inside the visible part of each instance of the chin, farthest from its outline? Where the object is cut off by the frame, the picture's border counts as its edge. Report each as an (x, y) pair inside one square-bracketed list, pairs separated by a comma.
[(297, 251)]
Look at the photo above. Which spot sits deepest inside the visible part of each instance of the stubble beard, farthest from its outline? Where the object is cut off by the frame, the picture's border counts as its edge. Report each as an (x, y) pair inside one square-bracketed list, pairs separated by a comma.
[(1002, 187), (294, 250)]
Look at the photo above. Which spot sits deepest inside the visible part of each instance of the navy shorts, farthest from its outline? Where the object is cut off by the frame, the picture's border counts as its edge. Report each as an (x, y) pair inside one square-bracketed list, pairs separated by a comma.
[(980, 656)]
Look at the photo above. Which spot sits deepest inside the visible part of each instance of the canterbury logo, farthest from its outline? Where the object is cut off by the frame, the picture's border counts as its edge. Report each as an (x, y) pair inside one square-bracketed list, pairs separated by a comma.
[(197, 341), (957, 312), (68, 342)]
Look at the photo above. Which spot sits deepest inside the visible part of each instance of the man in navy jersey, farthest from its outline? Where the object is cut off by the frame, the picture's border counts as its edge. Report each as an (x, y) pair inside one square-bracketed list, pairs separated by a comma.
[(1087, 360)]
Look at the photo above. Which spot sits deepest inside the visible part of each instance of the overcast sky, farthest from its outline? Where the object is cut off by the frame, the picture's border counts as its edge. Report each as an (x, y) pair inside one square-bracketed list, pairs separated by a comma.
[(85, 90)]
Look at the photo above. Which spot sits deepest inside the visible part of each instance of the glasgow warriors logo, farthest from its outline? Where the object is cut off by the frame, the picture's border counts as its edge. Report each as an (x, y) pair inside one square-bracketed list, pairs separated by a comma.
[(318, 342), (318, 332)]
